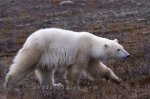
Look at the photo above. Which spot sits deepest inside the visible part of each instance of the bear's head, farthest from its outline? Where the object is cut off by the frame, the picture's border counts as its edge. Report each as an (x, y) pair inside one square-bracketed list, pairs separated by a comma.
[(113, 49)]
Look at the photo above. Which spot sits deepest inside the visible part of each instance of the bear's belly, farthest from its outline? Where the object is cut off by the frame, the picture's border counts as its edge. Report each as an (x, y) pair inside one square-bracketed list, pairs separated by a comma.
[(53, 59)]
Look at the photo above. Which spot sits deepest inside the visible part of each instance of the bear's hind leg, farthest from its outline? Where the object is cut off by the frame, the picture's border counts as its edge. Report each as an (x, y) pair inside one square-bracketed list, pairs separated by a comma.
[(46, 78), (16, 74), (24, 63)]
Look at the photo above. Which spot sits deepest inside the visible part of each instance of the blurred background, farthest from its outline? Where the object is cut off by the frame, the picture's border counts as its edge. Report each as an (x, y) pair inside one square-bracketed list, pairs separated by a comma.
[(126, 20)]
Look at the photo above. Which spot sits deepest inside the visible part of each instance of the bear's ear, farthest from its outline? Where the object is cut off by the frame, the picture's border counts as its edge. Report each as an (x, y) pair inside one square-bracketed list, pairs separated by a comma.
[(106, 46), (116, 40)]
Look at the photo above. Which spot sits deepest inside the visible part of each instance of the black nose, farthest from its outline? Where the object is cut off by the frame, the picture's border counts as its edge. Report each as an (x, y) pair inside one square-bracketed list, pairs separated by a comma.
[(128, 56)]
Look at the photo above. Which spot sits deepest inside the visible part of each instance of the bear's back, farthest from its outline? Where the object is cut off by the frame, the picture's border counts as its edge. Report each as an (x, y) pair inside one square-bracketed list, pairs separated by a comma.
[(54, 34), (53, 37)]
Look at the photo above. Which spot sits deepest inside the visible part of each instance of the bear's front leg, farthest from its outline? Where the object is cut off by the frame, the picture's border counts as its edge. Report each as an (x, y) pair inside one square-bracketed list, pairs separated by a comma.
[(96, 69), (72, 76), (108, 73), (111, 75)]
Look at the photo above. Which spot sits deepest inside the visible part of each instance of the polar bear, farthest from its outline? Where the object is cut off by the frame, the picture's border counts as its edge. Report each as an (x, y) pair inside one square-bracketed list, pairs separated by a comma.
[(48, 49)]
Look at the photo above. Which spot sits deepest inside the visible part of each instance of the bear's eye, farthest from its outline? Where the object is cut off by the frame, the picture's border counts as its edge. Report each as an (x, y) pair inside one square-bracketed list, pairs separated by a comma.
[(118, 49)]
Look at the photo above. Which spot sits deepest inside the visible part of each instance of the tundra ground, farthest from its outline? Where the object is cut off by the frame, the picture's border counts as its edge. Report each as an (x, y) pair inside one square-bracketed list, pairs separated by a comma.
[(126, 20)]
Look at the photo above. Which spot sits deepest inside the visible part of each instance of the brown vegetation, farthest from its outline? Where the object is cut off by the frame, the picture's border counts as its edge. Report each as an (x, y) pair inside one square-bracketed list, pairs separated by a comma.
[(126, 20)]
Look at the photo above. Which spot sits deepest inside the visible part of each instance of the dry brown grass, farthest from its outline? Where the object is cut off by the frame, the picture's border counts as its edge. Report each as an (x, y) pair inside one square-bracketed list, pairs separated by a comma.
[(97, 18)]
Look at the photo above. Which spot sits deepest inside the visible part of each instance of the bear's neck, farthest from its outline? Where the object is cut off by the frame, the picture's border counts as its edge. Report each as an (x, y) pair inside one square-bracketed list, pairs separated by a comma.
[(97, 50)]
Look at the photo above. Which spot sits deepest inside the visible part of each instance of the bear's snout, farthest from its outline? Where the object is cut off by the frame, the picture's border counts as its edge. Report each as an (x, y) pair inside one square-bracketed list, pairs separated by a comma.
[(127, 56)]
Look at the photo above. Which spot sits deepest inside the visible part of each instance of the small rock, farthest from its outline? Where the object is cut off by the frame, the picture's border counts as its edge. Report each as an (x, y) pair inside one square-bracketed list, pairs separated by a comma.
[(142, 19), (146, 33), (67, 2)]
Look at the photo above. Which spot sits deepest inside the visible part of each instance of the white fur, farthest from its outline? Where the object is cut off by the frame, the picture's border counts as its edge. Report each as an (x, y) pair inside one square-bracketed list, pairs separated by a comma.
[(61, 47)]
